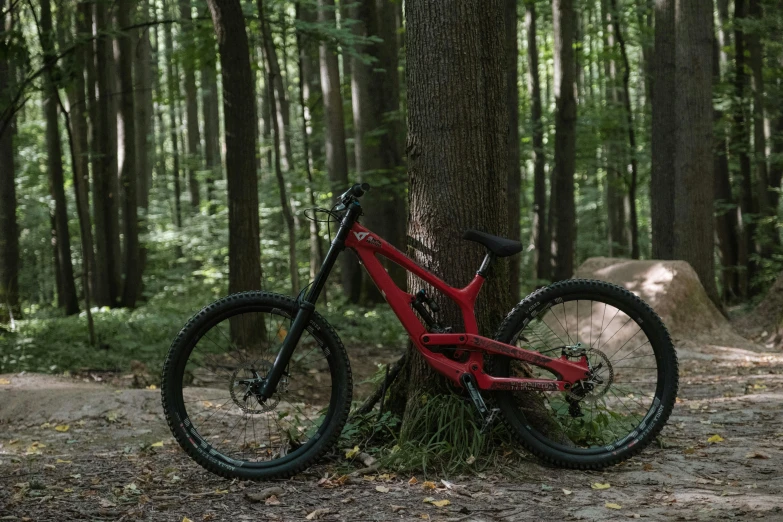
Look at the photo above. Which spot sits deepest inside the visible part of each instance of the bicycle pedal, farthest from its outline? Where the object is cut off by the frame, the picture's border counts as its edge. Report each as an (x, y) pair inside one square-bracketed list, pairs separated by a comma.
[(489, 420)]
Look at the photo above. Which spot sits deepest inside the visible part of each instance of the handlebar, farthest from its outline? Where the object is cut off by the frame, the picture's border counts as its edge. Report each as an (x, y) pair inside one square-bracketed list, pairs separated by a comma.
[(357, 191)]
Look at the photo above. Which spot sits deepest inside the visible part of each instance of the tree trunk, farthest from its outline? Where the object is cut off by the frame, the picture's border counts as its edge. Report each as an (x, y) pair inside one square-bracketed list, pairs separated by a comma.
[(694, 215), (662, 187), (457, 156), (143, 89), (105, 172), (376, 92), (726, 226), (739, 147), (768, 237), (311, 85), (9, 239), (209, 102), (564, 20), (633, 164), (336, 155), (128, 173), (173, 93), (273, 79), (193, 158), (239, 109), (543, 258), (514, 172), (67, 287)]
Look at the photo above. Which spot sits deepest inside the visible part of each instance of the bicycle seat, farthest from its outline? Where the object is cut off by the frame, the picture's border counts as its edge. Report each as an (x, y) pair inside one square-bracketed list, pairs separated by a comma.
[(499, 246)]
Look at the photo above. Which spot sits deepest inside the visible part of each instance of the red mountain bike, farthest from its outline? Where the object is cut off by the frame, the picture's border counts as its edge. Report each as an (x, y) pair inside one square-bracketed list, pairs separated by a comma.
[(258, 385)]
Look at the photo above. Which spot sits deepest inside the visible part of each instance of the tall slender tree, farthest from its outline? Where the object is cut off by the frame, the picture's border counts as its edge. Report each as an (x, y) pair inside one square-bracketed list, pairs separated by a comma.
[(9, 238), (543, 253), (512, 99), (193, 160), (564, 229), (67, 286)]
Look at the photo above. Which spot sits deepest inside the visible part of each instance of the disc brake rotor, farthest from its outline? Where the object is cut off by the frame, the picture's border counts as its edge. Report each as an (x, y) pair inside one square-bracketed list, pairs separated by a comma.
[(599, 381), (243, 395)]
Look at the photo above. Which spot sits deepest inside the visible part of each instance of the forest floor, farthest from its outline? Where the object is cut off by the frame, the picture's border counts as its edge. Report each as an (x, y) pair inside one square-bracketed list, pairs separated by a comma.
[(75, 450)]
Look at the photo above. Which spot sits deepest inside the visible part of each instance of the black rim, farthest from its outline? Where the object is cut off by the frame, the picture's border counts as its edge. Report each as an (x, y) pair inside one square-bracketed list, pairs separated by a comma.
[(625, 341), (213, 408)]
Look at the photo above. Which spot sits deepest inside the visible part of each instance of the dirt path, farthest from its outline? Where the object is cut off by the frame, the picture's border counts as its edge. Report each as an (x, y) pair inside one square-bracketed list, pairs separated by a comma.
[(110, 463)]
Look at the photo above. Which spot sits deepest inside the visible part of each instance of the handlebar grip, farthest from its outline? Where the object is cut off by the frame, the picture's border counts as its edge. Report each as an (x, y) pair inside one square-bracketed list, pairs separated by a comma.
[(360, 189)]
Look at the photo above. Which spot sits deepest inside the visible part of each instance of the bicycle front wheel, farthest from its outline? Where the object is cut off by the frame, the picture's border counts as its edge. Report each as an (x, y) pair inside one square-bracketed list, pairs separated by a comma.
[(622, 407), (207, 388)]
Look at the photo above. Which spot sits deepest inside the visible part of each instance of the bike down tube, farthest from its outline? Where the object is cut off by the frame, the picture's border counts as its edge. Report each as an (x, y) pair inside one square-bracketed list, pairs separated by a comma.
[(307, 305), (368, 247)]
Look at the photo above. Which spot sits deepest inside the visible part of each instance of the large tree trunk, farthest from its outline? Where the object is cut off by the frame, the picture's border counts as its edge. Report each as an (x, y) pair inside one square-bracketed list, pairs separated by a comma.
[(9, 238), (105, 194), (311, 85), (273, 82), (543, 252), (66, 288), (458, 156), (173, 94), (376, 92), (128, 172), (239, 108), (514, 172), (336, 155), (693, 204), (193, 159), (662, 187), (565, 137)]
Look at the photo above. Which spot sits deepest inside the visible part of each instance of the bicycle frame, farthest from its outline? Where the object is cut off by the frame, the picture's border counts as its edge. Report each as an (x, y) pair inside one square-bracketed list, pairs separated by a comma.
[(369, 246)]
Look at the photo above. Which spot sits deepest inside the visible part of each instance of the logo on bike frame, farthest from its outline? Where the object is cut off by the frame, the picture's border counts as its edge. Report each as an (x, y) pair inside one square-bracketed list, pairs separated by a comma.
[(361, 235)]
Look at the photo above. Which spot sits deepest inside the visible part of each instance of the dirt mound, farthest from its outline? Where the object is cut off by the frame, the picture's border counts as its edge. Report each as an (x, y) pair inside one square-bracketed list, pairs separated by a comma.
[(673, 289)]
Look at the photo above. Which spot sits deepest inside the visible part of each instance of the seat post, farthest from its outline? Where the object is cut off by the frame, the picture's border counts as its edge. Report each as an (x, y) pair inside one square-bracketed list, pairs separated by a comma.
[(489, 258)]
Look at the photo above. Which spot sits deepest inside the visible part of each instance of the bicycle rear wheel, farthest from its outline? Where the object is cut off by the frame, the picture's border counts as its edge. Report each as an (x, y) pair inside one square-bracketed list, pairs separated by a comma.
[(207, 388), (611, 416)]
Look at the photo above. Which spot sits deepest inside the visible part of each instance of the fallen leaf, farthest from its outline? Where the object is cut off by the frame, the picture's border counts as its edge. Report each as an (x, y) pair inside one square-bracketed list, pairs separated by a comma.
[(186, 519), (470, 460), (152, 387), (61, 461), (395, 509), (112, 416), (612, 505), (427, 500), (381, 489), (158, 444), (441, 503), (62, 428), (428, 485), (221, 491), (351, 453), (264, 494), (5, 381), (598, 485), (647, 467), (105, 503), (318, 513), (449, 485), (715, 438), (567, 492), (756, 455), (272, 501), (413, 481)]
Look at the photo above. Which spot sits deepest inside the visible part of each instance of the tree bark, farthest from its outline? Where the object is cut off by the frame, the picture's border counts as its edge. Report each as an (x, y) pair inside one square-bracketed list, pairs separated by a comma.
[(9, 239), (739, 147), (543, 252), (564, 21), (457, 156), (67, 287), (209, 103), (633, 163), (694, 214), (143, 89), (193, 159), (662, 187), (128, 173), (273, 79), (105, 170), (514, 172), (336, 155), (239, 109), (173, 93)]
